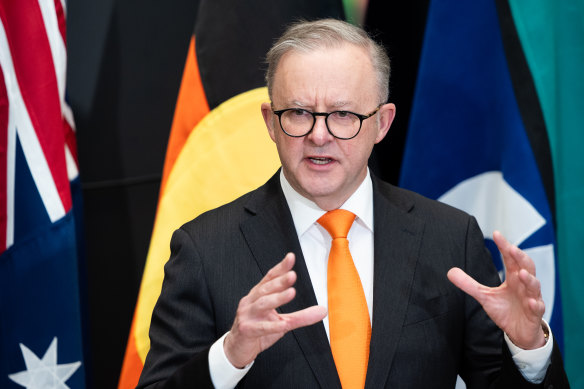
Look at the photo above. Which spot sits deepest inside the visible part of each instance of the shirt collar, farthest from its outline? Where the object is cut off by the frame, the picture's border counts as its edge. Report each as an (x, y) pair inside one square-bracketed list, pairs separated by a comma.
[(305, 212)]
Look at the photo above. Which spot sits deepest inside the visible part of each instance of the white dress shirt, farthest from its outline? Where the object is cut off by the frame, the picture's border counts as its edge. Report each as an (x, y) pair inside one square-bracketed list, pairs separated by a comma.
[(315, 242)]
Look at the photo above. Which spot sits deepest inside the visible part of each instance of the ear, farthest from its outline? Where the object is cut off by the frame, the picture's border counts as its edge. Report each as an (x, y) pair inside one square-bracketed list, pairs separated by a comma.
[(386, 115), (268, 116)]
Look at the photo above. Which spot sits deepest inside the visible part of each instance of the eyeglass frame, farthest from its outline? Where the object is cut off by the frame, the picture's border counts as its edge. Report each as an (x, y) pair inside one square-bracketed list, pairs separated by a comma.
[(326, 116)]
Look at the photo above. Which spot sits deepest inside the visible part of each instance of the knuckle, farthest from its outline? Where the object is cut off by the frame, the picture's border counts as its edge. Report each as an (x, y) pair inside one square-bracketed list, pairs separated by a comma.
[(263, 327), (283, 281), (263, 290), (242, 310), (537, 284), (262, 303), (244, 327), (243, 303), (271, 273)]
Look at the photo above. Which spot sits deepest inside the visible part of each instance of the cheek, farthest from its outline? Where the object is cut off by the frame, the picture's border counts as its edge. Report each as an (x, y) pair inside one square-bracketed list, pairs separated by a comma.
[(290, 149), (368, 141), (356, 153)]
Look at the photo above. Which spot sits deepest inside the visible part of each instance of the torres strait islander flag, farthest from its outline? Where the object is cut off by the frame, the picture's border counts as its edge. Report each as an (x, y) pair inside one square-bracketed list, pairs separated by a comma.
[(219, 147), (40, 326), (491, 129)]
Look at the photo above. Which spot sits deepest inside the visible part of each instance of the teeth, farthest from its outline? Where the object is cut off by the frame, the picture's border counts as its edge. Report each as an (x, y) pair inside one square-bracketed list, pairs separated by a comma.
[(320, 161)]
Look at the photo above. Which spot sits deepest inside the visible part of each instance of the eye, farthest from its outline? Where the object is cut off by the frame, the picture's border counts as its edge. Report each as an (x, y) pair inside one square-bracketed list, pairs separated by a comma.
[(343, 116), (298, 112)]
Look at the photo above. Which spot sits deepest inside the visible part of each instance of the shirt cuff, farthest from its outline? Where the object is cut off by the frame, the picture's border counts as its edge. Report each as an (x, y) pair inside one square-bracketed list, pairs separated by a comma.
[(223, 374), (532, 364)]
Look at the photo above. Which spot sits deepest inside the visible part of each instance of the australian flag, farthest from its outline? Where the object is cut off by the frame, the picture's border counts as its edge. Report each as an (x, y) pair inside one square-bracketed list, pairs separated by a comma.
[(40, 320), (477, 139)]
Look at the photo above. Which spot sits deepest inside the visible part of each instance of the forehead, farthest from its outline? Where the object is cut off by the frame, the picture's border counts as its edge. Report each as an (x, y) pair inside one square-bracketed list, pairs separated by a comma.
[(329, 76)]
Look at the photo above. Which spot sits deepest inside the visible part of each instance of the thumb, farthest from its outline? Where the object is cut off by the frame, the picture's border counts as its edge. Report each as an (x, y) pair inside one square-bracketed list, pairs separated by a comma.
[(466, 283)]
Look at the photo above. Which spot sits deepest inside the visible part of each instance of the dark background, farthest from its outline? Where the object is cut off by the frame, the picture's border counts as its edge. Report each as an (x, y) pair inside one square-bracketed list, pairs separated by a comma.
[(125, 62)]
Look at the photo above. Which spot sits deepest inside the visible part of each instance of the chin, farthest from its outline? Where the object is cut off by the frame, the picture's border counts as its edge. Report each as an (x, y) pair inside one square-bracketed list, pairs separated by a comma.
[(316, 192)]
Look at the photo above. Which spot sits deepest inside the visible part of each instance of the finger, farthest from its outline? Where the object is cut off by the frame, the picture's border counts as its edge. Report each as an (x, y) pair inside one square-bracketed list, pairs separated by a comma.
[(270, 302), (283, 267), (531, 283), (286, 322), (524, 261), (532, 286), (305, 317), (537, 306), (500, 240), (514, 258), (506, 250), (467, 284), (275, 285)]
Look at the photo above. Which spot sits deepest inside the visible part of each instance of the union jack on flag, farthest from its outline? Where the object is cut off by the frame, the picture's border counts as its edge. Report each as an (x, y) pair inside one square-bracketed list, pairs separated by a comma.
[(40, 320)]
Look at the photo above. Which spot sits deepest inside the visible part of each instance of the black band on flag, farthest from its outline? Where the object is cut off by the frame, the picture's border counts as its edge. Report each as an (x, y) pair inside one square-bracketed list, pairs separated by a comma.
[(527, 100)]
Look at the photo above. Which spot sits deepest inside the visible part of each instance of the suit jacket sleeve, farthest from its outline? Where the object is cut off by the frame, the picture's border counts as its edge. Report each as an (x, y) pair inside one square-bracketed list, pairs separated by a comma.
[(477, 368), (182, 328)]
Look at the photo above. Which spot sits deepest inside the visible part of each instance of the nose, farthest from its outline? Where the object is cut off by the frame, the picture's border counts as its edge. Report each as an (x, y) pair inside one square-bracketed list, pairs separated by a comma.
[(320, 134)]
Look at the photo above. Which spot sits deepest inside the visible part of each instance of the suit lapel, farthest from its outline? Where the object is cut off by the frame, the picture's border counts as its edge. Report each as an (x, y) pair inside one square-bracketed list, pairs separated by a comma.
[(397, 238), (270, 234)]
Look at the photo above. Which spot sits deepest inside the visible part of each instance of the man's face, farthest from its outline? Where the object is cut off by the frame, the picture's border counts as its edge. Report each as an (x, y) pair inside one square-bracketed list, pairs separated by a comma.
[(319, 166)]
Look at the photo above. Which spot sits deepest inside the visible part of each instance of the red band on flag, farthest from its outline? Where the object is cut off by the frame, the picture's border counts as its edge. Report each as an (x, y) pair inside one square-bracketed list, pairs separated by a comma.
[(191, 107), (4, 107), (61, 20)]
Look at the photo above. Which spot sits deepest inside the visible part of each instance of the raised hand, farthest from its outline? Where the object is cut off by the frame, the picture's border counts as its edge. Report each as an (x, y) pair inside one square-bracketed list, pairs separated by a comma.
[(257, 324), (516, 306)]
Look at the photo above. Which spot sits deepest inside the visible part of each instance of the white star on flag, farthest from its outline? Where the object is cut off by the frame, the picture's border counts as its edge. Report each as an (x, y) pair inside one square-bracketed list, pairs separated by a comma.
[(44, 373)]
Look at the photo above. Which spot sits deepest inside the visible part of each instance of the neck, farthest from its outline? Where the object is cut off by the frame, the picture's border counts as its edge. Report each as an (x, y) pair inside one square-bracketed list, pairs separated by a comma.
[(330, 202)]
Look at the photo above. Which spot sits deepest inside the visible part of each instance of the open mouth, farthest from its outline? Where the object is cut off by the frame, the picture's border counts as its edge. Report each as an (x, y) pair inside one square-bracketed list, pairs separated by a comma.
[(319, 160)]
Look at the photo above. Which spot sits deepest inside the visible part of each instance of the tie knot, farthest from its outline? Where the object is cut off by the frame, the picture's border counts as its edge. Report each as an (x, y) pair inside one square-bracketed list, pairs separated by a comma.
[(337, 222)]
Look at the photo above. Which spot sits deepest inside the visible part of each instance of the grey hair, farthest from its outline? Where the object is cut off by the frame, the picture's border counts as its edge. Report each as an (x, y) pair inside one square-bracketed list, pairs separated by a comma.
[(306, 37)]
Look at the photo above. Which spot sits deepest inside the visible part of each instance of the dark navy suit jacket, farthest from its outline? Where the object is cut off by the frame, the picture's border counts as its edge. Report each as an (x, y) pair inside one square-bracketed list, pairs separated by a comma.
[(425, 331)]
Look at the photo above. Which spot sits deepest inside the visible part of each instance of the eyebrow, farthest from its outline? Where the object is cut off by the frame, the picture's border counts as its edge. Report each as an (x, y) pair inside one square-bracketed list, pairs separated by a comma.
[(341, 104), (298, 104), (335, 105)]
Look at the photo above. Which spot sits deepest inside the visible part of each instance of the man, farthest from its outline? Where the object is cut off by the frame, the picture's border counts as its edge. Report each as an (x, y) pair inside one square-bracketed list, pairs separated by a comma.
[(231, 312)]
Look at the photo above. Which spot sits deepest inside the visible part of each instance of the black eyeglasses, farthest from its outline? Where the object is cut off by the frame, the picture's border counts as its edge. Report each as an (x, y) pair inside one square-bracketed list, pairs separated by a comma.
[(297, 122)]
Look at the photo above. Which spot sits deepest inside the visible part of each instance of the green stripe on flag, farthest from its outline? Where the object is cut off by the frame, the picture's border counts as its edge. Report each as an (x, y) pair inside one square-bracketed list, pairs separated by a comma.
[(355, 11), (552, 36)]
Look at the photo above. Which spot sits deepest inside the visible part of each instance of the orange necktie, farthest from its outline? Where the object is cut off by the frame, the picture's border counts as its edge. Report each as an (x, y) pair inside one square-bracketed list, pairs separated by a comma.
[(349, 325)]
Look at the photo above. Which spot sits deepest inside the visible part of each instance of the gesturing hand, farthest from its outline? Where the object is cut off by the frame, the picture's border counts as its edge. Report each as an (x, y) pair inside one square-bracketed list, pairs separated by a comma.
[(516, 306), (257, 324)]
